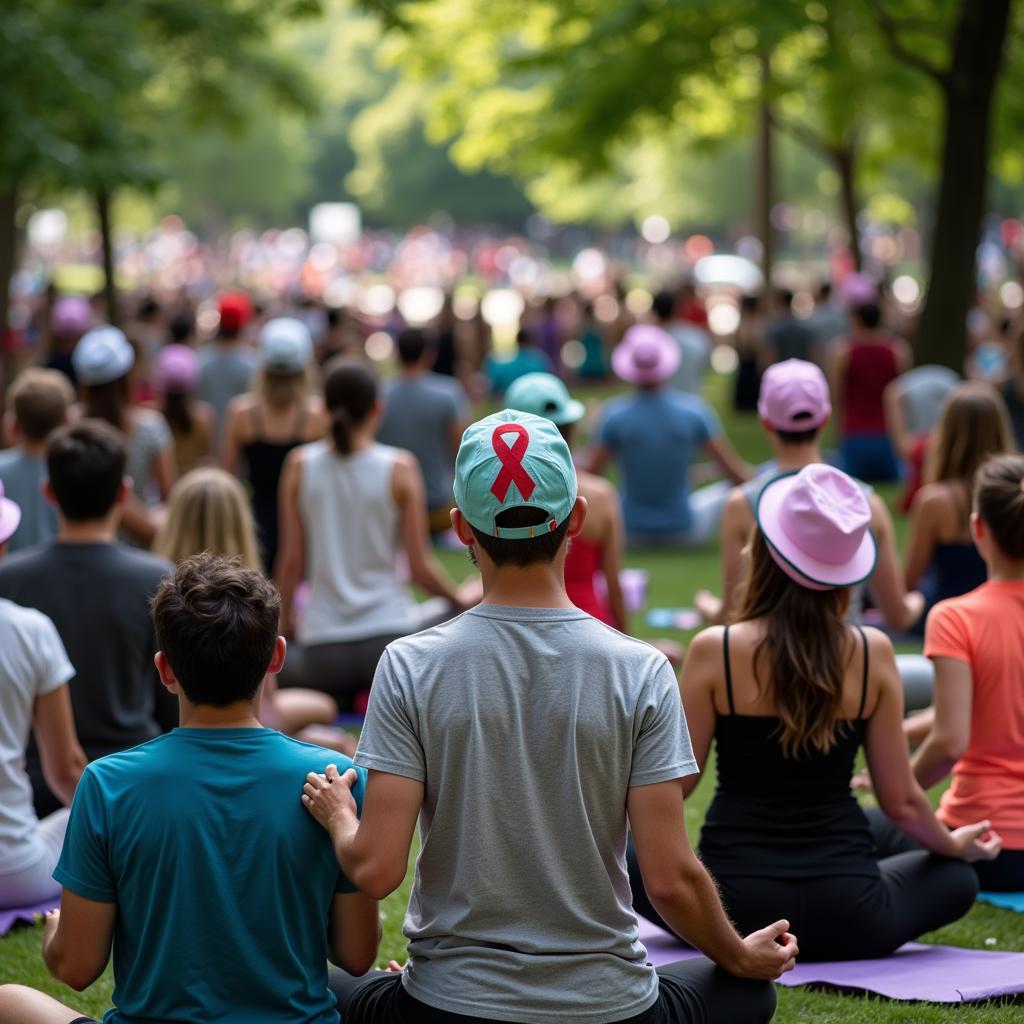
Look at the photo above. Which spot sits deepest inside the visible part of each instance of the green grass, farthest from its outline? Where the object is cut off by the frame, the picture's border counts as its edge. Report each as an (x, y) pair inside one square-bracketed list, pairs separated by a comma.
[(673, 579)]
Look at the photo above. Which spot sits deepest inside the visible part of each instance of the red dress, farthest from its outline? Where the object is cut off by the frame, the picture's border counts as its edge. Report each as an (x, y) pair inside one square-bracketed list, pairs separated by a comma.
[(581, 566)]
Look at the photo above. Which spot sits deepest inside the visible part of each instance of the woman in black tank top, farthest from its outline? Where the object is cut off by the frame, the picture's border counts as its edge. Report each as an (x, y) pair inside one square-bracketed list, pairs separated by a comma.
[(790, 693)]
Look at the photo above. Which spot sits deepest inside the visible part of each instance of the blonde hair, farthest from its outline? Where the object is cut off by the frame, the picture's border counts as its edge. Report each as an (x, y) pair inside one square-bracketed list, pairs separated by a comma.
[(208, 512), (280, 390), (973, 425)]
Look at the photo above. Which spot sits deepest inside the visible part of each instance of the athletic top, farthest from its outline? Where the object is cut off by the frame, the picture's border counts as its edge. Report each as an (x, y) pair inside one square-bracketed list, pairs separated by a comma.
[(985, 629), (871, 366), (582, 564), (956, 566), (264, 461), (775, 816), (351, 524)]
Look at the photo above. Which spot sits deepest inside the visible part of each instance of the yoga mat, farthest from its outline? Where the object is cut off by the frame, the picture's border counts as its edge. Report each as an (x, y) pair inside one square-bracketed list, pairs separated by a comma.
[(10, 915), (933, 974), (673, 618), (1007, 900)]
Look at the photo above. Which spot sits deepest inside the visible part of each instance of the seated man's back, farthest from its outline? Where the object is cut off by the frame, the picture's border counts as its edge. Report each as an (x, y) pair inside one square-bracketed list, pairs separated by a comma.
[(521, 909), (223, 883)]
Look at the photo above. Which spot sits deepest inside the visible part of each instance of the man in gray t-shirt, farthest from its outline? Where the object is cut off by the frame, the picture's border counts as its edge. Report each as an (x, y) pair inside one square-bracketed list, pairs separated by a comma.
[(425, 413), (524, 734)]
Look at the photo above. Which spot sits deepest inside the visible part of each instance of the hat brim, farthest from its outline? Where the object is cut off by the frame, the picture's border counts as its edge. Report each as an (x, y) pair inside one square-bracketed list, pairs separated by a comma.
[(823, 574), (625, 369), (10, 519), (571, 412)]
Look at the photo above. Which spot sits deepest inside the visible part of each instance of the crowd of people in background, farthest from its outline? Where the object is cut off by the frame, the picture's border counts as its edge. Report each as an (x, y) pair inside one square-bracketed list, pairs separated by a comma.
[(183, 461)]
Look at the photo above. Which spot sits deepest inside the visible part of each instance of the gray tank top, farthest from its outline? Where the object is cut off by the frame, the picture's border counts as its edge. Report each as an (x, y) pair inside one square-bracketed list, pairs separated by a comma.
[(351, 524)]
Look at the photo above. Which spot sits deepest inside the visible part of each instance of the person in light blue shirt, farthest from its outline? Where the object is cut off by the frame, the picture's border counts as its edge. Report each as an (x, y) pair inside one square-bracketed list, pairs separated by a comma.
[(191, 855), (528, 358), (656, 434)]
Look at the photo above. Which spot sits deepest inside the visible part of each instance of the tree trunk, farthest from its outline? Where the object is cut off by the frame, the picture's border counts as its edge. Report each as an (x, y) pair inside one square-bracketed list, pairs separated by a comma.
[(102, 199), (765, 172), (8, 261), (845, 161), (969, 87)]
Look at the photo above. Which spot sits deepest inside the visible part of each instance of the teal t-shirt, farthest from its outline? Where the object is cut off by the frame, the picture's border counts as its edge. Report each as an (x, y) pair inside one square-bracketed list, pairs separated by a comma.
[(223, 880)]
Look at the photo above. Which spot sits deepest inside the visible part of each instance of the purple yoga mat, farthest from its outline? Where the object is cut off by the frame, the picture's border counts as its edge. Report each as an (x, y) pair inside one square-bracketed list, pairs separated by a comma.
[(9, 916), (933, 974)]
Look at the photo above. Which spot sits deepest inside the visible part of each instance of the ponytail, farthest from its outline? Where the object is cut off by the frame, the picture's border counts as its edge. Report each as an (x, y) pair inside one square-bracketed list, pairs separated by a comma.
[(350, 393)]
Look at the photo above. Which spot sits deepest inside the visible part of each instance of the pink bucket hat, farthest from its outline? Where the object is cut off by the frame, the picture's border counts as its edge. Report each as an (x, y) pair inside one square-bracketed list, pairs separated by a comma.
[(71, 316), (176, 370), (794, 396), (646, 355), (10, 516), (816, 523)]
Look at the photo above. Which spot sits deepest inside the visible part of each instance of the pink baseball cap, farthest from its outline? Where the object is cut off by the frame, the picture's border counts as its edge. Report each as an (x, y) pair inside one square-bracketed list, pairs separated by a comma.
[(794, 396), (176, 370), (10, 516), (817, 525), (646, 355)]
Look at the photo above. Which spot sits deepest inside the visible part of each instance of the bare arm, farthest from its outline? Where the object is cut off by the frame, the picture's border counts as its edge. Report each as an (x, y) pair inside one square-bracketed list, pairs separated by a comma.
[(721, 450), (372, 851), (895, 420), (596, 460), (703, 666), (685, 895), (921, 542), (899, 608), (353, 935), (63, 760), (611, 560), (737, 523), (231, 444), (410, 496), (950, 733), (139, 521), (76, 944), (291, 555), (898, 792)]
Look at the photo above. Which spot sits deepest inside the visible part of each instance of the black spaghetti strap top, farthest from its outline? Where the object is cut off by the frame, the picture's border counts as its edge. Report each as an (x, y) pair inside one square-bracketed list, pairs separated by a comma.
[(264, 461), (775, 816)]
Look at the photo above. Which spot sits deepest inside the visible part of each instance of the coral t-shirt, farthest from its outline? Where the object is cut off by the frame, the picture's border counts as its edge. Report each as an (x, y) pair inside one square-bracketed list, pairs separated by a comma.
[(985, 629)]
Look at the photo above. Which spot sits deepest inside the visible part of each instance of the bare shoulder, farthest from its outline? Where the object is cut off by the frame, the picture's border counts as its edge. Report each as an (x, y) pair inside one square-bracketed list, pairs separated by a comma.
[(706, 644)]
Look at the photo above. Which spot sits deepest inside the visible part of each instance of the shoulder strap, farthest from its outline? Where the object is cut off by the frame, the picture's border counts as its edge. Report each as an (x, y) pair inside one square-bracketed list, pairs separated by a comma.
[(728, 671), (867, 667), (256, 420)]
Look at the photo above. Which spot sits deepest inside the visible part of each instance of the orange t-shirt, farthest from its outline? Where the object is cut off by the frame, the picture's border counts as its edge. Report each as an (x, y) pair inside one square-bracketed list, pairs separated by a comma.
[(985, 628)]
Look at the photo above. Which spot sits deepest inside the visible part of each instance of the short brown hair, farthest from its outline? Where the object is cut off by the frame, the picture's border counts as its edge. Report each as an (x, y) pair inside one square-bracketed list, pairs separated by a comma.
[(216, 623), (999, 501), (40, 400)]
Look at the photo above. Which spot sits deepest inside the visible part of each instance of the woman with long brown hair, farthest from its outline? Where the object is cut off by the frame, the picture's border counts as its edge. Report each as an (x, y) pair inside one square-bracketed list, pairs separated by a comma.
[(790, 693), (942, 560)]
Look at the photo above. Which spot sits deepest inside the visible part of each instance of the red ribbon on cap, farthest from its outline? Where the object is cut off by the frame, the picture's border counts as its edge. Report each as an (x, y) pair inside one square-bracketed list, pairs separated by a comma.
[(511, 458)]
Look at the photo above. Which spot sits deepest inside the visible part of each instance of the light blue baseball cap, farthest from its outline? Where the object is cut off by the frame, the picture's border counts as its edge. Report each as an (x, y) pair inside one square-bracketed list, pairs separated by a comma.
[(545, 395), (514, 460)]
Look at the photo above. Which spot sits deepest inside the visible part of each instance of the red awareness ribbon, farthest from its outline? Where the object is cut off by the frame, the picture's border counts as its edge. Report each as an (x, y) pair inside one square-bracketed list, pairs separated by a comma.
[(511, 458)]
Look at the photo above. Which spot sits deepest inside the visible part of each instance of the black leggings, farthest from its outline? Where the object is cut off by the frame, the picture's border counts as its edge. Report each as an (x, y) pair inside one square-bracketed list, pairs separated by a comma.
[(1004, 874), (846, 917), (692, 992)]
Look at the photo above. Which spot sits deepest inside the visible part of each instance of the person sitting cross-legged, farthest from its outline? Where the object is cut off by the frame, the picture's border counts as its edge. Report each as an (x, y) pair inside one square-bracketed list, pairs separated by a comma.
[(524, 766), (190, 856)]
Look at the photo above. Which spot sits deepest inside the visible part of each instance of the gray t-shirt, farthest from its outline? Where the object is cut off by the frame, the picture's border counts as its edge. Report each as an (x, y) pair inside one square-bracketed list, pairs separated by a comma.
[(224, 371), (695, 357), (924, 389), (527, 727), (23, 477), (418, 415)]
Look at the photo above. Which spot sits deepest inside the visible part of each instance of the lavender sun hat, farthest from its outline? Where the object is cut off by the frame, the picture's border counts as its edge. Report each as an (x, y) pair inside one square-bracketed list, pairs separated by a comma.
[(817, 525), (646, 355), (10, 516)]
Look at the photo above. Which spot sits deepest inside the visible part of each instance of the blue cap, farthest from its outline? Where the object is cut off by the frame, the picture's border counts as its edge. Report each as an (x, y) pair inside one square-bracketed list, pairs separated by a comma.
[(514, 460)]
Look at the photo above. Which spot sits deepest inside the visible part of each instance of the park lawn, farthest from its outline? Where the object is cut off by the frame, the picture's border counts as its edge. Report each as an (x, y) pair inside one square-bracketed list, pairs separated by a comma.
[(674, 577)]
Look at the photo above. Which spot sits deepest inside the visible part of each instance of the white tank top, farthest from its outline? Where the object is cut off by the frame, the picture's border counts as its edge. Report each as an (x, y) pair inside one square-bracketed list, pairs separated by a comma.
[(351, 524)]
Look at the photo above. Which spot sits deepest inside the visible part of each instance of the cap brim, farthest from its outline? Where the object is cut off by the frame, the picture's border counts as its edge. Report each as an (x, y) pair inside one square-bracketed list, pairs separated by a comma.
[(572, 412), (856, 570), (10, 519)]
